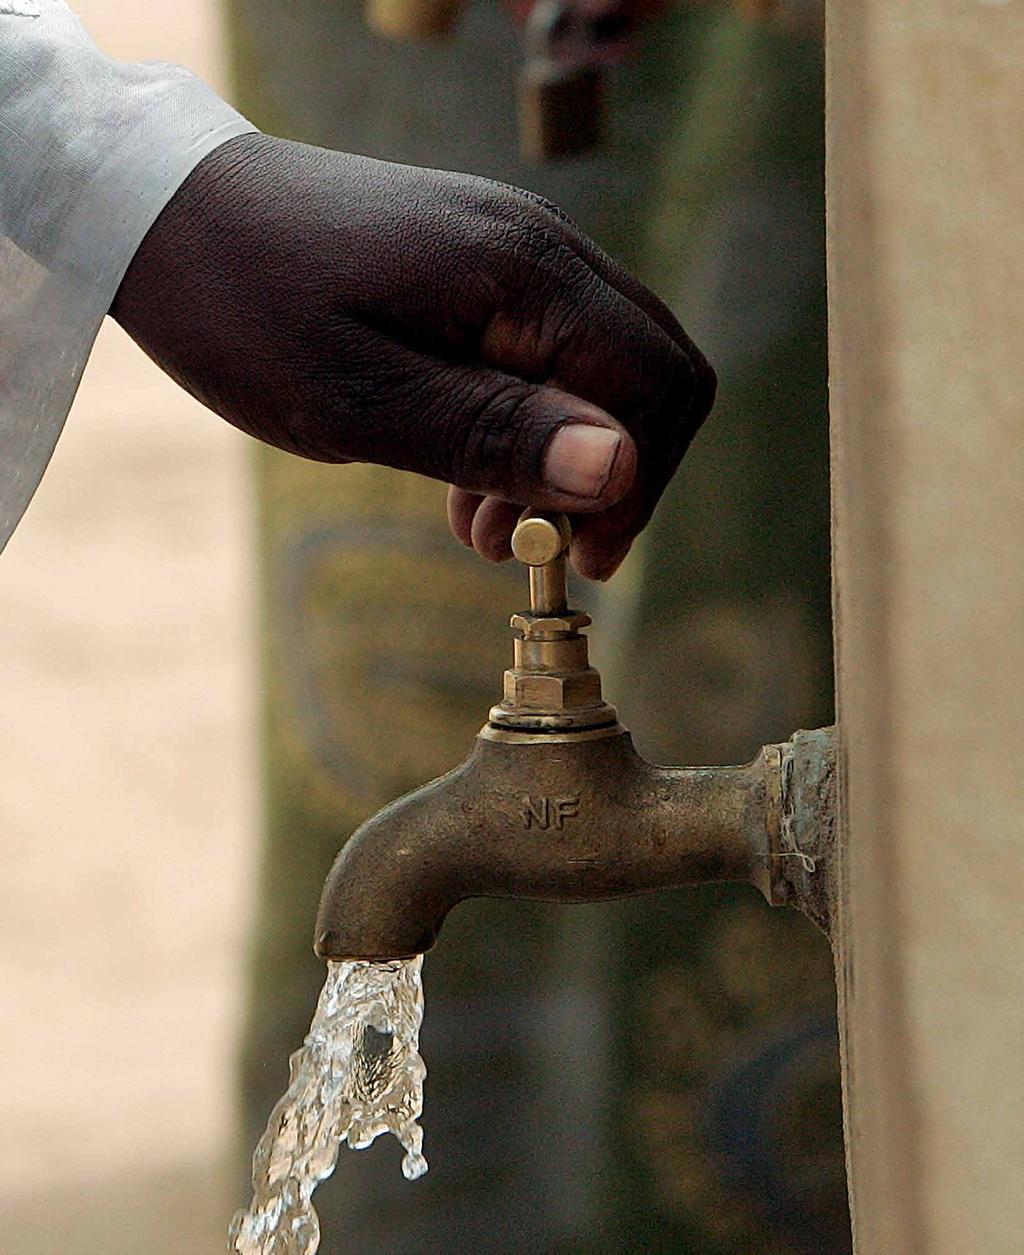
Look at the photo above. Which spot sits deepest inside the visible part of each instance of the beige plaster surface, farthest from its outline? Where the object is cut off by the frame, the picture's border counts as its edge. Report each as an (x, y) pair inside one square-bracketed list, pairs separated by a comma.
[(926, 227), (128, 821)]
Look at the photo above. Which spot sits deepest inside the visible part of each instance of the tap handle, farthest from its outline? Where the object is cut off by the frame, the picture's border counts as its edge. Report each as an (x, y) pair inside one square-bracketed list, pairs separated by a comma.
[(541, 541)]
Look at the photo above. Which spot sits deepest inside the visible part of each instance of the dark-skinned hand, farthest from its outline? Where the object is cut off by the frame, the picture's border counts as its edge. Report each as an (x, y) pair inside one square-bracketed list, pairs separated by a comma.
[(347, 309)]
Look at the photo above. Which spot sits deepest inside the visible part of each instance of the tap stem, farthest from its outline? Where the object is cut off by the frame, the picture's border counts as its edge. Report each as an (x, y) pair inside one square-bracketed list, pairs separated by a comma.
[(548, 594)]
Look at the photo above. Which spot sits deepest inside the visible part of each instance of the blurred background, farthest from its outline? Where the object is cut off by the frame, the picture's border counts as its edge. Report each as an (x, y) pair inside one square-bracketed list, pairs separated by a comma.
[(209, 655)]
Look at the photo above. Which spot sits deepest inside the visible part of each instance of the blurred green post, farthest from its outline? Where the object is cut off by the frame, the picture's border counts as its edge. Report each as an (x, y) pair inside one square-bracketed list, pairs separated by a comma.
[(651, 1076)]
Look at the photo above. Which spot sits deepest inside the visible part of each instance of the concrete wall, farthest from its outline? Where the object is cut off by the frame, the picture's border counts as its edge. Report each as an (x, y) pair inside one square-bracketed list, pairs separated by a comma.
[(926, 224)]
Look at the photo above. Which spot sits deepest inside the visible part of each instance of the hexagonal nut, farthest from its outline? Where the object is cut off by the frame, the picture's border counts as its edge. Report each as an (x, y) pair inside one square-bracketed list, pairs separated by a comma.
[(547, 625), (533, 691)]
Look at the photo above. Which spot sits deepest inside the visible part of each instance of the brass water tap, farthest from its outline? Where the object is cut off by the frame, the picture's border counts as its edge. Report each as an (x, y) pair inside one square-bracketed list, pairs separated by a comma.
[(551, 686), (554, 802)]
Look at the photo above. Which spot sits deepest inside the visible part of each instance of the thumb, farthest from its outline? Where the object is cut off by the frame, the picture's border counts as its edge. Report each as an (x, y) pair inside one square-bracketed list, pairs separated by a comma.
[(586, 465), (496, 435)]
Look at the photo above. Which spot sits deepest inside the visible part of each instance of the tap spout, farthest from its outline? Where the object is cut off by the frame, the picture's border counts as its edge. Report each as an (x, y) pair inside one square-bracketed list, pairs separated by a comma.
[(554, 803), (566, 818)]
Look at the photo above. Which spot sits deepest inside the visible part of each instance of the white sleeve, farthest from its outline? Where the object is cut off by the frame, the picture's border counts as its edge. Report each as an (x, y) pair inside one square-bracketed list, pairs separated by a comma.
[(91, 150)]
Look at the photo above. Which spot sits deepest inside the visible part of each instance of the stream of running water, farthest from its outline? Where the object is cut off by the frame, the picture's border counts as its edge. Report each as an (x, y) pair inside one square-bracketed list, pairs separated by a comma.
[(358, 1074)]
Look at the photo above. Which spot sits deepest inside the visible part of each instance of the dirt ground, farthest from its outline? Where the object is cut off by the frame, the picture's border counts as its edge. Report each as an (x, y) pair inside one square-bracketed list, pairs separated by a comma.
[(128, 817)]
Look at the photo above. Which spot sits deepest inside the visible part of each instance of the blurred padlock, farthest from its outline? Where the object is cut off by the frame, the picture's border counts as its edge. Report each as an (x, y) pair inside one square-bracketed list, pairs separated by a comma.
[(413, 19), (561, 102)]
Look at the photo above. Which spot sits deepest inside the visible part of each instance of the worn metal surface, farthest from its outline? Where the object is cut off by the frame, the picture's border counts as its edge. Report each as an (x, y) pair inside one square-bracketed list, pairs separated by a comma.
[(570, 812), (576, 818), (569, 820)]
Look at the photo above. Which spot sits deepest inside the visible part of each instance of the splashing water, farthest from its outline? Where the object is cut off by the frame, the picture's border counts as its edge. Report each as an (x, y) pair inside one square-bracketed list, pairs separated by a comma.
[(357, 1075)]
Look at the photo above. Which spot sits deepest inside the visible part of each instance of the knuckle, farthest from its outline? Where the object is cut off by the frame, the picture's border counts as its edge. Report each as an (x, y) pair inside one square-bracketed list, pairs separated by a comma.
[(514, 254), (506, 202), (551, 212), (540, 258), (546, 295), (494, 427)]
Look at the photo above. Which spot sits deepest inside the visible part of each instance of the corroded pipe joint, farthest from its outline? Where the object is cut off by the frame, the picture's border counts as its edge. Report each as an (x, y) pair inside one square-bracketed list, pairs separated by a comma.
[(802, 822)]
